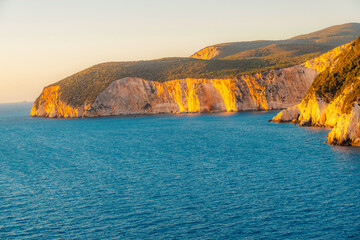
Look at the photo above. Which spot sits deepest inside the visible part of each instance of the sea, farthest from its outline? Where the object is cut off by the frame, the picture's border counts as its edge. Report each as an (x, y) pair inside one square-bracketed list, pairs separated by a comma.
[(198, 176)]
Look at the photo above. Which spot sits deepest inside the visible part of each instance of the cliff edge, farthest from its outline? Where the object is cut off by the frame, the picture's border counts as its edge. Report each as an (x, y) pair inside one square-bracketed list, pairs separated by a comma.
[(333, 100)]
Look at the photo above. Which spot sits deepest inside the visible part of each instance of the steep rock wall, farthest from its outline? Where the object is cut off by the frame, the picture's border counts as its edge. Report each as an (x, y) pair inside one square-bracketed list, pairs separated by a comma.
[(264, 91), (50, 105), (347, 129), (206, 53), (313, 111), (332, 111)]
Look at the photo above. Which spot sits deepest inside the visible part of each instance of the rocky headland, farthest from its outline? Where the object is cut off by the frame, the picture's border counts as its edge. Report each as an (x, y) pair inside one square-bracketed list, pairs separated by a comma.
[(259, 76), (333, 100)]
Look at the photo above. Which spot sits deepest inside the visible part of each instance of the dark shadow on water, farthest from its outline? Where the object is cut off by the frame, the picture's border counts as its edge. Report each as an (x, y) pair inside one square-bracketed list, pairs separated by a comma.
[(348, 150), (316, 129)]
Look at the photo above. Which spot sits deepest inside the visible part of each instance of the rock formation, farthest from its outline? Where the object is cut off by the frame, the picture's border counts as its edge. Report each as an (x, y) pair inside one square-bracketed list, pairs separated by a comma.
[(332, 100)]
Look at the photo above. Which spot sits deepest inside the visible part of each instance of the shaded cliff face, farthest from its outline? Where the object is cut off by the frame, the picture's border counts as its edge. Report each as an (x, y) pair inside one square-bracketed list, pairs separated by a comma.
[(332, 100)]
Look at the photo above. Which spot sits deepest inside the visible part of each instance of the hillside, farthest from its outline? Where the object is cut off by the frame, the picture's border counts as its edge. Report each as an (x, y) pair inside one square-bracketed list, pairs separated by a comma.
[(331, 36), (282, 53), (223, 50), (333, 99), (328, 38), (252, 69), (87, 84)]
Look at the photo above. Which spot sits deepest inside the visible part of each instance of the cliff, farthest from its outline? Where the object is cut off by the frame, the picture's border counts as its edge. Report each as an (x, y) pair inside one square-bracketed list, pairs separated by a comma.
[(332, 100), (262, 91)]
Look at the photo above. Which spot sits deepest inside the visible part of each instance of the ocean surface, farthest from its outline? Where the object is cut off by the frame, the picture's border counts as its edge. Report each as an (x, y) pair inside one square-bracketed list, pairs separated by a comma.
[(221, 176)]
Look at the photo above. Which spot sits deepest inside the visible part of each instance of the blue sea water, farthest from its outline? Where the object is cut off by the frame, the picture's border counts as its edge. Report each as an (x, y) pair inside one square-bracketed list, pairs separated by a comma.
[(221, 176)]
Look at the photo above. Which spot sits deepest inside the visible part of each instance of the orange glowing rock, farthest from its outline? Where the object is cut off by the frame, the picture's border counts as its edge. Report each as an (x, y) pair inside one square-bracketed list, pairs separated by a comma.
[(51, 106)]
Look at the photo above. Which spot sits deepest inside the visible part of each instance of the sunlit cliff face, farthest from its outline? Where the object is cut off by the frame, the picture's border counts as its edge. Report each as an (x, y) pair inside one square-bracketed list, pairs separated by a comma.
[(257, 91), (314, 111), (185, 96), (226, 89), (206, 53), (50, 105), (190, 95), (325, 60)]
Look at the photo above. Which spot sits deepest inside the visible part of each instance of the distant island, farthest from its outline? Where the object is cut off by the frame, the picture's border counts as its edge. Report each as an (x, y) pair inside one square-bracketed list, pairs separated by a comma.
[(257, 75)]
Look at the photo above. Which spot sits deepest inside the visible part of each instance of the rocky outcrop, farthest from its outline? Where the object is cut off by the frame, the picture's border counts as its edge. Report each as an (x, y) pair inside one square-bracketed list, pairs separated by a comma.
[(347, 129), (50, 105), (207, 53), (315, 110)]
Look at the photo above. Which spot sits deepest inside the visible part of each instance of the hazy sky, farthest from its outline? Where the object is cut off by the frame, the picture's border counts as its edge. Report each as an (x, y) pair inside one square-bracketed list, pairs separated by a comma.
[(43, 41)]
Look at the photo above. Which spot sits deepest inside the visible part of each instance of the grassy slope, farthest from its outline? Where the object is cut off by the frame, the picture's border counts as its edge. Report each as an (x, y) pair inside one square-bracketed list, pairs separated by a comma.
[(227, 49), (330, 83), (282, 53), (331, 37)]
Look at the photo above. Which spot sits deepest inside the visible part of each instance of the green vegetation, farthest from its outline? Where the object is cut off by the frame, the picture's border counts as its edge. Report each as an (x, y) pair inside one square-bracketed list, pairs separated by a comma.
[(280, 51), (331, 82), (331, 36), (277, 54)]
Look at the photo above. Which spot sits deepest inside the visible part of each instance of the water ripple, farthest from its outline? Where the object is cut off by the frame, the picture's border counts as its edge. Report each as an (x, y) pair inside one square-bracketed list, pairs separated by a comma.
[(184, 177)]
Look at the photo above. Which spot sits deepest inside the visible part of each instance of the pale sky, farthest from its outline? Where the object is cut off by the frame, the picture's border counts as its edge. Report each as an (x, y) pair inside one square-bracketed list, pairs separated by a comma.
[(43, 41)]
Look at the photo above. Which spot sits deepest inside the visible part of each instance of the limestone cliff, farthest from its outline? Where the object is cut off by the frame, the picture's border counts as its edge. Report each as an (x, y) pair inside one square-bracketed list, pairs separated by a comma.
[(50, 105), (332, 100), (263, 91), (207, 53)]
